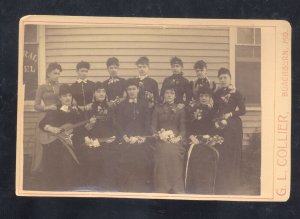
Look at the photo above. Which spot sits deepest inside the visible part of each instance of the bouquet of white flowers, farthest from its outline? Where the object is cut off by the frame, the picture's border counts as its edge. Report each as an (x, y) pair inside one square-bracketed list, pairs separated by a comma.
[(91, 143), (198, 114), (168, 136), (210, 140), (220, 123)]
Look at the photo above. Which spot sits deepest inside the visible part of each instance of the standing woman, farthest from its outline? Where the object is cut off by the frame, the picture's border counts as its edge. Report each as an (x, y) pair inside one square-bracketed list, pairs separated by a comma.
[(168, 122), (202, 80), (46, 99), (229, 105), (99, 155)]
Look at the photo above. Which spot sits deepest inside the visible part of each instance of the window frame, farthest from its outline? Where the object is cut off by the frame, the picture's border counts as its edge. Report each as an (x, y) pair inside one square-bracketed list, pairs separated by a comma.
[(40, 42), (234, 59)]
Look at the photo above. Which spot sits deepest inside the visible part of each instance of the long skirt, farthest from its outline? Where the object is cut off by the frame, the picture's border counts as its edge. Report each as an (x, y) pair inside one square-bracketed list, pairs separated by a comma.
[(135, 167), (201, 169), (60, 170), (98, 168), (169, 168), (37, 158), (229, 167)]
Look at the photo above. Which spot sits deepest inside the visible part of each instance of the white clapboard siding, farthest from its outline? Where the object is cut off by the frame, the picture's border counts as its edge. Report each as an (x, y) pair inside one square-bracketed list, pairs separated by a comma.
[(69, 45)]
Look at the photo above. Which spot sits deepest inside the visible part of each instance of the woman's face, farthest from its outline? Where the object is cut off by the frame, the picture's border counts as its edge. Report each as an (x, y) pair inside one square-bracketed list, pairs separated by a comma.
[(132, 91), (176, 68), (66, 99), (82, 73), (143, 69), (169, 96), (54, 75), (224, 80), (113, 70), (204, 98), (201, 72), (100, 95)]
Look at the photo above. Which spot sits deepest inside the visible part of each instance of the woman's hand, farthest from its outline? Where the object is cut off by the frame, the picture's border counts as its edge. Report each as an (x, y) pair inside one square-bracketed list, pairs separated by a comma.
[(51, 129), (175, 140), (126, 139), (227, 115), (141, 139), (111, 139), (87, 141), (194, 139), (91, 123), (93, 120)]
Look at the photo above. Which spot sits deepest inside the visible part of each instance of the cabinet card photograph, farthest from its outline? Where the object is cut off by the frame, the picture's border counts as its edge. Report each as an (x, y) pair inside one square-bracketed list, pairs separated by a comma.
[(154, 108)]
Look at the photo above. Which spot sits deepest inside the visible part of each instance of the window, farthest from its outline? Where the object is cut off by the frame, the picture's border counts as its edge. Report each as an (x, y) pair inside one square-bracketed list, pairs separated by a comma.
[(248, 64), (30, 64)]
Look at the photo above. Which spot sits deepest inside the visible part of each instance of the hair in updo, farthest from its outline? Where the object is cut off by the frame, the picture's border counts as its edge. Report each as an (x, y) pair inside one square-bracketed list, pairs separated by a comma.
[(224, 71), (52, 66), (83, 64)]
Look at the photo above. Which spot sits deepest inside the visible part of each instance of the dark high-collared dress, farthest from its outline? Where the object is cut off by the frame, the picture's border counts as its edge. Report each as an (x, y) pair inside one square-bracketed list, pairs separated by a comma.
[(169, 157), (201, 83), (115, 87), (202, 160), (83, 92), (135, 164), (182, 88), (148, 84), (228, 177), (61, 171), (99, 163)]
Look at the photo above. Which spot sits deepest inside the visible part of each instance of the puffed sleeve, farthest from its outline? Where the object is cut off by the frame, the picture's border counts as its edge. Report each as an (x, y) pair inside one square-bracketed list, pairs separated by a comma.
[(156, 93), (154, 120), (119, 120), (148, 121), (38, 99), (188, 92), (182, 123), (47, 120), (163, 88), (240, 101)]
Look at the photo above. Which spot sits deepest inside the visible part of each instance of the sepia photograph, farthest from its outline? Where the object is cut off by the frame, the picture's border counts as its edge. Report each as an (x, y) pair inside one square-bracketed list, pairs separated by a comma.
[(153, 108)]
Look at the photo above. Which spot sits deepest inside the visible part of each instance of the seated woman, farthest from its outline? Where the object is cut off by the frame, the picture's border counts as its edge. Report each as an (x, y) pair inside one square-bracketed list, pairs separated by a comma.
[(168, 123), (61, 163), (98, 153), (135, 152), (202, 157), (46, 99)]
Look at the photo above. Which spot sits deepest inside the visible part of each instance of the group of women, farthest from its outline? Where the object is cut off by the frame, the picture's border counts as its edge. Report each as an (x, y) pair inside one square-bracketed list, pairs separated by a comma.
[(126, 136)]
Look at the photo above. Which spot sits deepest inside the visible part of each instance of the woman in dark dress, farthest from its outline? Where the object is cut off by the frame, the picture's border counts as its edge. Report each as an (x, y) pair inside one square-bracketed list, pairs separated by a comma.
[(229, 105), (168, 123), (98, 152), (202, 157), (61, 164), (202, 80), (135, 162)]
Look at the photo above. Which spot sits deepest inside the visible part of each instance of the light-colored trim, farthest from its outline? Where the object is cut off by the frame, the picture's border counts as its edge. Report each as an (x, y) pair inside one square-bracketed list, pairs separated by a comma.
[(29, 106), (253, 108), (232, 43), (42, 55)]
